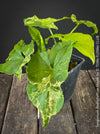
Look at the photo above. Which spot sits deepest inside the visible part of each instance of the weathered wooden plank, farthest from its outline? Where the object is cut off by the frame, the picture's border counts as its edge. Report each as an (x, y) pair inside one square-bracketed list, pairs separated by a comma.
[(84, 105), (5, 85), (21, 117), (62, 123), (94, 74)]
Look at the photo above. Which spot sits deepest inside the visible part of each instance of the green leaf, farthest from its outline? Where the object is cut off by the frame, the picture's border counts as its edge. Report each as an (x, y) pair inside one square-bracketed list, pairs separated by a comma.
[(28, 49), (89, 24), (42, 23), (13, 64), (46, 97), (16, 61), (38, 67), (44, 88), (59, 36), (18, 46), (59, 57), (82, 42), (86, 22), (73, 18), (36, 36)]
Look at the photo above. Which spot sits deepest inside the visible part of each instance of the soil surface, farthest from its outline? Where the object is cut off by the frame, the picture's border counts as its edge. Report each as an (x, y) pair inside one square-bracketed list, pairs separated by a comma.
[(72, 65)]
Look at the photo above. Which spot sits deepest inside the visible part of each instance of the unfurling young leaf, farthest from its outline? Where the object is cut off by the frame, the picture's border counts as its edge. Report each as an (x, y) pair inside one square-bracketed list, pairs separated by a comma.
[(36, 36)]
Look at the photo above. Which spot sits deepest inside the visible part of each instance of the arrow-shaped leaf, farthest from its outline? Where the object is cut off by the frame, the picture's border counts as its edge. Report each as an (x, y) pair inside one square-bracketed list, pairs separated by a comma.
[(82, 42), (16, 61), (59, 56), (38, 67), (47, 98)]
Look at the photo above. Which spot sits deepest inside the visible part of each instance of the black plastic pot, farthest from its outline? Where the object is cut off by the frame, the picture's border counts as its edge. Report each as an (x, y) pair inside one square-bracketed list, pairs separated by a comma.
[(69, 85)]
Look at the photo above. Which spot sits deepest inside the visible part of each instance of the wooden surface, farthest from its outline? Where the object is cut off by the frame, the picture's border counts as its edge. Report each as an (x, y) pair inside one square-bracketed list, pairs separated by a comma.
[(19, 116), (5, 86)]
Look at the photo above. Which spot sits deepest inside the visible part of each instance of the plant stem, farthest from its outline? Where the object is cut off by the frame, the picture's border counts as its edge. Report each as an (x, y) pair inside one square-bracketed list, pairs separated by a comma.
[(52, 34), (74, 28)]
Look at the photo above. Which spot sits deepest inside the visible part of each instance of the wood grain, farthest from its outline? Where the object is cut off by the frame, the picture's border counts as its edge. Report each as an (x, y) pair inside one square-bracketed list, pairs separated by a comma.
[(5, 85), (62, 123), (84, 105), (95, 75), (21, 117)]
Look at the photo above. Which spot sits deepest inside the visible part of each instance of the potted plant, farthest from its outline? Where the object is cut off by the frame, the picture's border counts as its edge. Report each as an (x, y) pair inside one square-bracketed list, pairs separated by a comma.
[(47, 69)]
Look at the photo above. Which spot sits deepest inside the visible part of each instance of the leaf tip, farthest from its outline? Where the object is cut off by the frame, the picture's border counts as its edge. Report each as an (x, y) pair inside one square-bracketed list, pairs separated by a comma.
[(73, 18), (93, 60)]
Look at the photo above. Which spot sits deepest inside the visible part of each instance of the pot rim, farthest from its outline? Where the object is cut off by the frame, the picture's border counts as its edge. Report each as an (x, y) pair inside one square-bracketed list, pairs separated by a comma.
[(82, 60)]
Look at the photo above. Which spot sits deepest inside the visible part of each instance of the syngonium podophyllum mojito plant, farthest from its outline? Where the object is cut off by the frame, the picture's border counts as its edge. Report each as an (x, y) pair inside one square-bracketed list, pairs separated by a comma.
[(48, 69)]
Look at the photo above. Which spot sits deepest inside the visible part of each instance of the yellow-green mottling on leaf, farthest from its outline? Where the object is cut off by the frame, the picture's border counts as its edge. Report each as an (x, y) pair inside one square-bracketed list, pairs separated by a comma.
[(48, 69), (45, 80)]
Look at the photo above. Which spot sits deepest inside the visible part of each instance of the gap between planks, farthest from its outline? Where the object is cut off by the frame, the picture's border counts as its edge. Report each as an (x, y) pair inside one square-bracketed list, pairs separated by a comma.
[(5, 87), (84, 105), (21, 115), (73, 111)]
